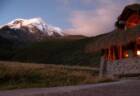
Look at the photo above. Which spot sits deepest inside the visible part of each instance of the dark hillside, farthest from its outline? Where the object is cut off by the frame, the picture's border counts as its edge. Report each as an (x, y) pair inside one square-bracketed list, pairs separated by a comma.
[(58, 52)]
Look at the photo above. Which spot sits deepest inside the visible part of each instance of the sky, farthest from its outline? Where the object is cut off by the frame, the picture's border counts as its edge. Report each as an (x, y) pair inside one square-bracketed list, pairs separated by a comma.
[(77, 17)]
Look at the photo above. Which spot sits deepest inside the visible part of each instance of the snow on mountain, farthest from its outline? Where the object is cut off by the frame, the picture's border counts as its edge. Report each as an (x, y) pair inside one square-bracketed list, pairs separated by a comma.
[(34, 29), (37, 23), (52, 29)]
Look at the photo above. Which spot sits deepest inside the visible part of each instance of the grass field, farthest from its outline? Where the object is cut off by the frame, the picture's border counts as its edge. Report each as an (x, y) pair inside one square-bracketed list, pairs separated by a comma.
[(26, 75)]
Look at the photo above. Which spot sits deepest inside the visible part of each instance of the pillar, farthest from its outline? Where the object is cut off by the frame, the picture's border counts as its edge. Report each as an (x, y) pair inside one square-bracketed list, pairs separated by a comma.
[(120, 51), (103, 66)]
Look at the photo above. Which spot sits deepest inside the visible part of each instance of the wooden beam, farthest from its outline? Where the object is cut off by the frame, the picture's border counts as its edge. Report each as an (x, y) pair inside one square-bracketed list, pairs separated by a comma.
[(120, 51), (109, 53), (113, 54)]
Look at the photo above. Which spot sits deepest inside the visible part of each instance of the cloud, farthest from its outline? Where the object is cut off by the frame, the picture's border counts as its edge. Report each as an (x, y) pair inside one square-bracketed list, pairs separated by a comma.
[(99, 20)]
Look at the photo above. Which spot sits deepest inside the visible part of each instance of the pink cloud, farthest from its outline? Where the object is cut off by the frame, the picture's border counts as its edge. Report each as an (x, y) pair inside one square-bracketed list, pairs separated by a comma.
[(97, 21)]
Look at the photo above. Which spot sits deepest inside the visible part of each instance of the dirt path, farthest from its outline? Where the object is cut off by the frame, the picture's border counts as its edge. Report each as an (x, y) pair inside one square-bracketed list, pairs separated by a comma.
[(121, 88)]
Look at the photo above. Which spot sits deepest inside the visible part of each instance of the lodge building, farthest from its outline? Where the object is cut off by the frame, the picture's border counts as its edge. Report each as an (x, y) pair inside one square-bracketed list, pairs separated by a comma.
[(129, 19), (121, 47)]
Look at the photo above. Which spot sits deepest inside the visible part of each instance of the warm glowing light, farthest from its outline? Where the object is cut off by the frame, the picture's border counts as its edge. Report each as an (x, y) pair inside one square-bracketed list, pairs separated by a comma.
[(133, 20), (126, 55), (138, 52)]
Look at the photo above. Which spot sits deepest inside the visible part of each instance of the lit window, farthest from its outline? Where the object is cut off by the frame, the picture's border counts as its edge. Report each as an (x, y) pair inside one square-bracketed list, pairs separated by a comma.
[(133, 20), (126, 54), (138, 52)]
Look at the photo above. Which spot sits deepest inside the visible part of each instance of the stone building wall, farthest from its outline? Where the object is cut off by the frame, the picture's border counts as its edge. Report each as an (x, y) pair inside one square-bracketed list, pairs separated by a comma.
[(124, 66)]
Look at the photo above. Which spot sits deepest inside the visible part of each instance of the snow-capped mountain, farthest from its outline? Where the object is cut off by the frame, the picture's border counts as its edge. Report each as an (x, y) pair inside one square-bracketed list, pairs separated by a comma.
[(29, 29)]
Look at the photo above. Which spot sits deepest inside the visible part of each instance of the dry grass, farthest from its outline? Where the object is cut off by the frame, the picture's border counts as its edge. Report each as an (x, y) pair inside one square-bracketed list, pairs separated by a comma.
[(25, 75)]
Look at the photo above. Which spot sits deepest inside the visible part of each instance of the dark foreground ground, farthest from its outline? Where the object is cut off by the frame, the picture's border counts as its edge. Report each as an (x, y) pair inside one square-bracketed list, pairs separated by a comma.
[(120, 88)]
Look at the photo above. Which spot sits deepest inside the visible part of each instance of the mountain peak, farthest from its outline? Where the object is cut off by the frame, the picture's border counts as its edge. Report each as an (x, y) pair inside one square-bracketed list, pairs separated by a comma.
[(36, 22), (29, 21), (39, 23), (32, 28)]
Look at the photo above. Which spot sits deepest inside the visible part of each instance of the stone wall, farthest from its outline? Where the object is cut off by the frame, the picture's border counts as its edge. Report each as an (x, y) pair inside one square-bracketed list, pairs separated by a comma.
[(124, 66)]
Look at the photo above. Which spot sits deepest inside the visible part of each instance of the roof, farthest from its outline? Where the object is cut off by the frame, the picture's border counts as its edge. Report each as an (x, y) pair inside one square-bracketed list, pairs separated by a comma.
[(114, 38), (128, 10), (134, 7)]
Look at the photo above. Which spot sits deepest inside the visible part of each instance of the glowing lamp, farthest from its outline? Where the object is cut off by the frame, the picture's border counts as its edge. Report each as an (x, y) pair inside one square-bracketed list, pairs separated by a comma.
[(138, 52), (126, 55)]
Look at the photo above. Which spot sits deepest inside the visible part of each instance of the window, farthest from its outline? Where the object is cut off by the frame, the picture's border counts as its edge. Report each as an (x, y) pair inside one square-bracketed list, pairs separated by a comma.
[(133, 20)]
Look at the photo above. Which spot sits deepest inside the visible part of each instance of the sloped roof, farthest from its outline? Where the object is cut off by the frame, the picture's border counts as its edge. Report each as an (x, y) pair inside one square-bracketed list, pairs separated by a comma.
[(134, 7), (128, 10), (114, 38)]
